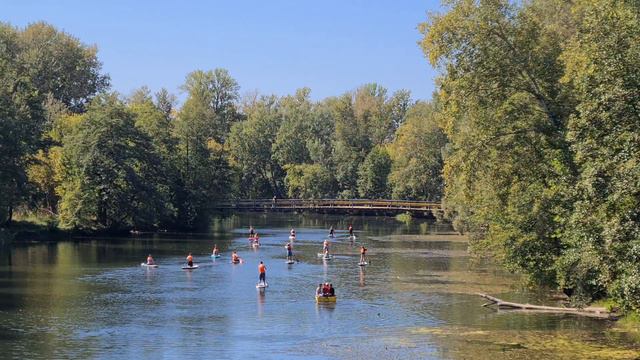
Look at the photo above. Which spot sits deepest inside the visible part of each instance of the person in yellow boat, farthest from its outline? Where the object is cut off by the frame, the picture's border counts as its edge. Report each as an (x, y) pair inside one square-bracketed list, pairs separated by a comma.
[(190, 260), (150, 260)]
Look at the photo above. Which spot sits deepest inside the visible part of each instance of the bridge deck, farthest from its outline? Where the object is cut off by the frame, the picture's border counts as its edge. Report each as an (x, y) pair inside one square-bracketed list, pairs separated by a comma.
[(331, 204)]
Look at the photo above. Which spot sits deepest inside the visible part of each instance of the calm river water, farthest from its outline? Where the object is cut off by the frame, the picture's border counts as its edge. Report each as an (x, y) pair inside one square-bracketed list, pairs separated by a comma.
[(89, 298)]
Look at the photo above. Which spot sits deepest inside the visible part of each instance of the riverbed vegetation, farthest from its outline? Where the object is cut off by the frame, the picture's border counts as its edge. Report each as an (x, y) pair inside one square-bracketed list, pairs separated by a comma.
[(531, 140)]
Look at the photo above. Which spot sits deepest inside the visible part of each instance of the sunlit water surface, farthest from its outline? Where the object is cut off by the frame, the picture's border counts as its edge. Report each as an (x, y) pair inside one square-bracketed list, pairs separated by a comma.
[(89, 298)]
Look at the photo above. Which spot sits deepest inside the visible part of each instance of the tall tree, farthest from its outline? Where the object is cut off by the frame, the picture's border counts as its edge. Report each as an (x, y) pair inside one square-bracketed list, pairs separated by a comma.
[(21, 122), (504, 111), (374, 173), (59, 64), (202, 127), (110, 176), (250, 145), (417, 156), (603, 238)]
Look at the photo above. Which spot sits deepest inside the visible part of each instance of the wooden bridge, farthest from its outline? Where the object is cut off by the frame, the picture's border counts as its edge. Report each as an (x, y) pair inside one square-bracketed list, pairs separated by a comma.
[(351, 206)]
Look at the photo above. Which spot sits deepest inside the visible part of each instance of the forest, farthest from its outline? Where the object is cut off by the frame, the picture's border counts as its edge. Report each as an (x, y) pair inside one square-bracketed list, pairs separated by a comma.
[(531, 141)]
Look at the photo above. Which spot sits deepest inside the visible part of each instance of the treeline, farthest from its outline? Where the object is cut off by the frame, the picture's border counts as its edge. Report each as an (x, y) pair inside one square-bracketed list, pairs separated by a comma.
[(93, 159), (540, 101)]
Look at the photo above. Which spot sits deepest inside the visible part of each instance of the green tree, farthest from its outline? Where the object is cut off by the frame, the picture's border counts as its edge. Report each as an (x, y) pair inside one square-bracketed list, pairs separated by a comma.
[(110, 174), (59, 64), (250, 145), (374, 173), (504, 110), (202, 127), (21, 122), (603, 237), (310, 181), (416, 154)]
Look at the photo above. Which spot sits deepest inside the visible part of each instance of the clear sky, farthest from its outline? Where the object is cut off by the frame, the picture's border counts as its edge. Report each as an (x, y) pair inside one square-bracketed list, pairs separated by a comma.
[(272, 46)]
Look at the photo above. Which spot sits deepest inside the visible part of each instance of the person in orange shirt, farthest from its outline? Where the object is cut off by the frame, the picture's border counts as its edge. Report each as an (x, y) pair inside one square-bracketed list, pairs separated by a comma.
[(190, 260), (263, 273)]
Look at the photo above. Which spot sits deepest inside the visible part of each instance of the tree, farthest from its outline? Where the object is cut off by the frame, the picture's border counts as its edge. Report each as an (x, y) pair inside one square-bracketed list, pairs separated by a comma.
[(309, 181), (504, 110), (111, 174), (21, 122), (202, 127), (250, 145), (59, 64), (603, 236), (374, 173), (416, 155)]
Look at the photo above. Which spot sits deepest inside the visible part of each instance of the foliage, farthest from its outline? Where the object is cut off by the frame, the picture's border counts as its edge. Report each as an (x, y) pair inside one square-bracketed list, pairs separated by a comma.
[(416, 156), (250, 144), (374, 173), (111, 176), (309, 181)]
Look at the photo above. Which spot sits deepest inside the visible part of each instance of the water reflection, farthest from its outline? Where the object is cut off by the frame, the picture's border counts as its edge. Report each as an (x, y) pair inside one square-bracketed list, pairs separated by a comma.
[(89, 298)]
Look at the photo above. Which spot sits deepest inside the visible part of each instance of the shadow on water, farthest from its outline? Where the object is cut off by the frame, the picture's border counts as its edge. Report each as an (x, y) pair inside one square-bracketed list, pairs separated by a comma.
[(88, 297)]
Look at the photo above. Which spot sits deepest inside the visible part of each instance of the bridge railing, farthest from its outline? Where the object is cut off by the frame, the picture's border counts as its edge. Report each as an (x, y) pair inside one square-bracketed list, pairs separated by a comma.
[(330, 203)]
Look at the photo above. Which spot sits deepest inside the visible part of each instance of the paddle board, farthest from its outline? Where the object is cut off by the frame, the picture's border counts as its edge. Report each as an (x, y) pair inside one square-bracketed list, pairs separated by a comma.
[(149, 266), (363, 263), (190, 267), (290, 262), (261, 285), (215, 256)]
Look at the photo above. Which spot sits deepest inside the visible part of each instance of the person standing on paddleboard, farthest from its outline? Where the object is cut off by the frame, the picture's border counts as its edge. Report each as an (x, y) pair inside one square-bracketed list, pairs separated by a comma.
[(325, 247), (215, 250), (363, 253), (263, 273), (150, 260), (252, 231), (190, 260), (332, 232), (350, 230), (289, 252)]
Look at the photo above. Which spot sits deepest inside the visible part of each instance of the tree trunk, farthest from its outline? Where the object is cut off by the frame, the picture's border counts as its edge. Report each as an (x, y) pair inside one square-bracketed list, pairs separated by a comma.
[(601, 313)]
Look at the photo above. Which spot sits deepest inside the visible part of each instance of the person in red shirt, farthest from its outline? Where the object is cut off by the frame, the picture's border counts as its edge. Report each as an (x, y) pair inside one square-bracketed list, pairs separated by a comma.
[(263, 273)]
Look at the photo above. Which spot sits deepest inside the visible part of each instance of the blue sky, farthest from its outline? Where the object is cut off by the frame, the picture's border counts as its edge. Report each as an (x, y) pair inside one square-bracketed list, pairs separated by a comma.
[(273, 47)]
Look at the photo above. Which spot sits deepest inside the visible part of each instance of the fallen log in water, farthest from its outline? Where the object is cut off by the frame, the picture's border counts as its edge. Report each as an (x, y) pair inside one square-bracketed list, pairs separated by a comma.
[(596, 312)]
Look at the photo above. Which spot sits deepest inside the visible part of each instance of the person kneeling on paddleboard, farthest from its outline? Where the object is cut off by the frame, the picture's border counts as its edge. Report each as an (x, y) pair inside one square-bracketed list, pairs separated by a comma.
[(263, 273), (150, 260), (235, 258), (190, 260)]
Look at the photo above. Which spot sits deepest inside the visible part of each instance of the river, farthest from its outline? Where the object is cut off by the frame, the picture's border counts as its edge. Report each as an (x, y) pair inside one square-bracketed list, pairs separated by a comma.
[(90, 298)]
